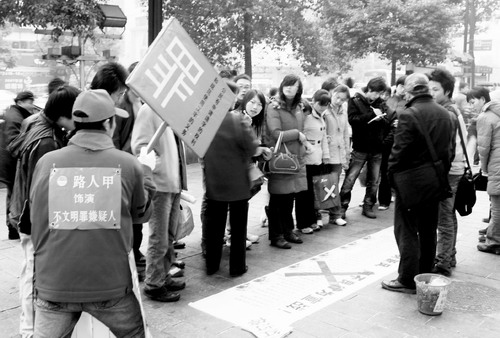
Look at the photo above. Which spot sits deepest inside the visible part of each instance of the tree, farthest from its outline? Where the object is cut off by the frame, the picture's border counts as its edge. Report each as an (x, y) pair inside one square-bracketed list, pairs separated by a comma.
[(416, 31), (80, 17), (7, 57), (221, 27)]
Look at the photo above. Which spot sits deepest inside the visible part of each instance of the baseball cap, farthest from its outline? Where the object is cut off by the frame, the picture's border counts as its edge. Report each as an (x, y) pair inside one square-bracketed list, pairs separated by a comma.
[(416, 82), (26, 95), (95, 105)]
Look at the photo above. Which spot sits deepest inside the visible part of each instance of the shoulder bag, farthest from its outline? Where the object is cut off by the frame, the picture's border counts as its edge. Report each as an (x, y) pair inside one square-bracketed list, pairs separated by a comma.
[(465, 197), (427, 182), (282, 162)]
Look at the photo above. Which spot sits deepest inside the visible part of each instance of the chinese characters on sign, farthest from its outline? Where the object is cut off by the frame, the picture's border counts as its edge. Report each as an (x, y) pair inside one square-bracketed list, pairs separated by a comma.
[(85, 198), (181, 86)]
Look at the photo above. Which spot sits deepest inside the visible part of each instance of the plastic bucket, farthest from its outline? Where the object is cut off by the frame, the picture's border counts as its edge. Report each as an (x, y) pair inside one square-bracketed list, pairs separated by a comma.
[(432, 290)]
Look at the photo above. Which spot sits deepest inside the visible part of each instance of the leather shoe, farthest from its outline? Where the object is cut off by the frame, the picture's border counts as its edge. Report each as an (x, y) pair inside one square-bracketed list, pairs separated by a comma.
[(162, 295), (180, 264), (396, 286), (174, 285), (237, 274), (494, 249), (483, 231), (368, 212), (441, 271), (293, 238), (281, 243)]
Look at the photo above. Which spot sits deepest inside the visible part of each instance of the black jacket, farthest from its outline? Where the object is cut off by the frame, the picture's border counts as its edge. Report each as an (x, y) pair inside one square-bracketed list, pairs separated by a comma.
[(366, 137), (410, 149)]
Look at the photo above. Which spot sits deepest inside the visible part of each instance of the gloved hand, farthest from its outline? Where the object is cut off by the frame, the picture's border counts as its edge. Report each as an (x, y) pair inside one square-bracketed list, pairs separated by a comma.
[(148, 159)]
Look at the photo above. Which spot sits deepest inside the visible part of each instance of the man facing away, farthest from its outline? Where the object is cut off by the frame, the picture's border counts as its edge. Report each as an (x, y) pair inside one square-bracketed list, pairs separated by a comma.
[(82, 257), (415, 229)]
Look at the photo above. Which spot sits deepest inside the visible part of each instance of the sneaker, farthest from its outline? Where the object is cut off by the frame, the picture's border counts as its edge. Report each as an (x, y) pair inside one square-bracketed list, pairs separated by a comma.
[(494, 249), (483, 231), (396, 286), (161, 294), (175, 272), (253, 238), (383, 207), (319, 223), (307, 230), (340, 221), (248, 245), (441, 271), (315, 227)]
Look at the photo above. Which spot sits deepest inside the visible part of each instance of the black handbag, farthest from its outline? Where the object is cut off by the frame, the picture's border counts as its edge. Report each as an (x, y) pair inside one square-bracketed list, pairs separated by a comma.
[(465, 197), (282, 163), (427, 182), (480, 181)]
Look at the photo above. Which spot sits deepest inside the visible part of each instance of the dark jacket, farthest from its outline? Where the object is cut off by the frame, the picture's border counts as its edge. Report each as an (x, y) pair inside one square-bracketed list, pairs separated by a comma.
[(410, 149), (366, 137), (13, 119), (394, 105), (41, 136), (226, 160), (123, 130)]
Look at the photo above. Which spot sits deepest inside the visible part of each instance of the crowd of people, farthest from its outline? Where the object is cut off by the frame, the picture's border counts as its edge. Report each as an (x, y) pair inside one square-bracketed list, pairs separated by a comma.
[(378, 132)]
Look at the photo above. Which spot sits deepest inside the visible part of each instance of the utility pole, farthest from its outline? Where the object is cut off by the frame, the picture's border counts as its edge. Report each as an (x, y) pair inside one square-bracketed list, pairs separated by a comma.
[(155, 19)]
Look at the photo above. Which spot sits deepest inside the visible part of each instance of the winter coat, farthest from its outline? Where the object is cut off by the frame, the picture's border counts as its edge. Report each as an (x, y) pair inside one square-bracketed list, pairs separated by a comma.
[(290, 121), (227, 159), (488, 141), (315, 131), (338, 134), (410, 148)]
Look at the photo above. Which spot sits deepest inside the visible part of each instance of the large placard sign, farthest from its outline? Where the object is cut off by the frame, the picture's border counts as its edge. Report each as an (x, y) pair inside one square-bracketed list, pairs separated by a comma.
[(182, 87), (85, 198)]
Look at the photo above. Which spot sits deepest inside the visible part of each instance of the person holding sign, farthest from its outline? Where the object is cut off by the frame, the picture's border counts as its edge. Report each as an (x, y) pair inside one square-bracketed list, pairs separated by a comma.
[(84, 200), (170, 178)]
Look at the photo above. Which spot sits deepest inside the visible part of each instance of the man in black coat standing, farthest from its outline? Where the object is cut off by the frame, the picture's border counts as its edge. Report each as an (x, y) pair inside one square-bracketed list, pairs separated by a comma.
[(415, 228)]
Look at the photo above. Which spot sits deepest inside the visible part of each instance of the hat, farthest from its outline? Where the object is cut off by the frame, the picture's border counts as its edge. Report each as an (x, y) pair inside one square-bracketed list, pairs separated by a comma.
[(94, 106), (416, 82), (27, 95)]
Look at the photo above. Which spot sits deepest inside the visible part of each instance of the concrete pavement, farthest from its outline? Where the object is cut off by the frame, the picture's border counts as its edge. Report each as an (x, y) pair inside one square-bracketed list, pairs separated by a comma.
[(472, 310)]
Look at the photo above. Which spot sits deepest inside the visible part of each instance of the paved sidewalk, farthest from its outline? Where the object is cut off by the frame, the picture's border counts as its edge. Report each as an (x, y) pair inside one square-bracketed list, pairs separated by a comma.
[(473, 308)]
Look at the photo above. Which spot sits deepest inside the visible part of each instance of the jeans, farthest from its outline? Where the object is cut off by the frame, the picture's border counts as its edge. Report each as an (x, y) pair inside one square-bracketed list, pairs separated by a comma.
[(215, 222), (311, 170), (493, 232), (121, 315), (26, 288), (336, 170), (384, 188), (162, 228), (358, 160), (280, 213), (415, 233), (447, 228)]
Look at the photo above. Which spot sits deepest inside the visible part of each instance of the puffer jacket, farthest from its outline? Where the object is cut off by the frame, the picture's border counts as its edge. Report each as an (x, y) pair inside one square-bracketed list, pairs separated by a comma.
[(488, 141), (338, 133), (315, 131), (291, 123)]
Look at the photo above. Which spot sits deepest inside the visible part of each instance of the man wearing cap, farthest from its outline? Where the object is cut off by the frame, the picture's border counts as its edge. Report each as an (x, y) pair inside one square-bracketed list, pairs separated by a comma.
[(14, 117), (415, 229), (84, 200)]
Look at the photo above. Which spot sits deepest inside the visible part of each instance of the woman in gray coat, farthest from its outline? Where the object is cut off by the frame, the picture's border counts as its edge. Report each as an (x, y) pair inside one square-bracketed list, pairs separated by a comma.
[(286, 115), (488, 131)]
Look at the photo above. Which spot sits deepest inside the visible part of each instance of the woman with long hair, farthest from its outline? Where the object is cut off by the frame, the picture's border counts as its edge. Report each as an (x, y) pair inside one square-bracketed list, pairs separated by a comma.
[(286, 116)]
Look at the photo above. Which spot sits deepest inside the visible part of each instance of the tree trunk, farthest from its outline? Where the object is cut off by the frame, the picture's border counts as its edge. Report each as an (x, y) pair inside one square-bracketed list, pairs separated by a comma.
[(247, 42), (466, 25), (472, 31), (393, 70)]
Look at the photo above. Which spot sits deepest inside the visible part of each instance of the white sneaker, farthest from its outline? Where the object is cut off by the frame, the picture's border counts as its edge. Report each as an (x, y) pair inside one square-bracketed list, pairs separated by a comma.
[(319, 223), (175, 272), (383, 207), (253, 238), (307, 230), (249, 244), (340, 221)]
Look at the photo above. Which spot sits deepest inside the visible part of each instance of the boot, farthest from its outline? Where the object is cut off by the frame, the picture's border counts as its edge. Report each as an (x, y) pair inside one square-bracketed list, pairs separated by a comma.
[(368, 211)]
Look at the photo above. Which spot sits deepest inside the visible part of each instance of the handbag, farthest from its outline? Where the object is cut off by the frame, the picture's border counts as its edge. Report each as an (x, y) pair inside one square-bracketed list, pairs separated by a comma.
[(256, 177), (465, 197), (326, 191), (427, 182), (480, 181), (185, 223), (282, 163)]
